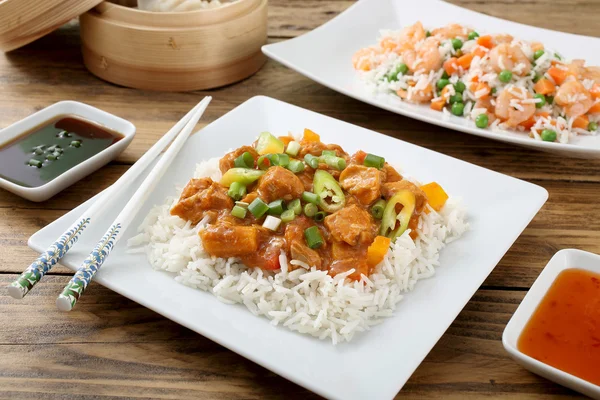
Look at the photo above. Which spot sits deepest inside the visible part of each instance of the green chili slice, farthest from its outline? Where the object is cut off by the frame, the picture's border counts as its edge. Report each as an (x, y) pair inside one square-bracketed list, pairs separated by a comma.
[(394, 224), (331, 196), (244, 176)]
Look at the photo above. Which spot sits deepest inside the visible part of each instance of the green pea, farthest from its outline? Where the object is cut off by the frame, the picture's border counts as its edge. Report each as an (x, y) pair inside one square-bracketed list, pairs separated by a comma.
[(473, 35), (75, 143), (538, 54), (445, 75), (505, 76), (549, 99), (494, 90), (541, 103), (427, 34), (442, 83), (458, 109), (482, 121), (457, 44), (456, 98), (548, 135), (459, 87), (592, 126)]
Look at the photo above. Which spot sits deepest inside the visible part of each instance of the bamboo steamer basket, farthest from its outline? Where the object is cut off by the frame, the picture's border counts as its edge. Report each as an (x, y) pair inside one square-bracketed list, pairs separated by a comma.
[(23, 21), (175, 51)]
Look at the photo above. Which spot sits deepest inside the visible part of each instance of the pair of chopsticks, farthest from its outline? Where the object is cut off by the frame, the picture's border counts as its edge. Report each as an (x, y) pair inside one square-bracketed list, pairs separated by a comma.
[(85, 273)]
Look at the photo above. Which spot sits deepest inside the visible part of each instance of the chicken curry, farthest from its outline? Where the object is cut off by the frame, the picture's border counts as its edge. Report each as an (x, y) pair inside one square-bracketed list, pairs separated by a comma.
[(313, 201)]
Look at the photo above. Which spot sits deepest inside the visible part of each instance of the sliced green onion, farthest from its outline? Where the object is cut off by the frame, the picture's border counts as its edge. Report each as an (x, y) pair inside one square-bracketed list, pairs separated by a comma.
[(326, 187), (258, 208), (263, 162), (242, 204), (328, 153), (310, 197), (296, 166), (320, 216), (295, 206), (377, 209), (236, 191), (238, 212), (75, 143), (310, 210), (288, 216), (293, 148), (35, 163), (51, 157), (244, 161), (281, 160), (245, 176), (371, 160), (313, 237), (276, 207), (311, 160), (333, 161), (271, 223)]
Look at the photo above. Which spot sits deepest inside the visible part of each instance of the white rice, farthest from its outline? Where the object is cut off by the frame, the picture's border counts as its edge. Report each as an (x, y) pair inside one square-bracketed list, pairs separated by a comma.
[(304, 300)]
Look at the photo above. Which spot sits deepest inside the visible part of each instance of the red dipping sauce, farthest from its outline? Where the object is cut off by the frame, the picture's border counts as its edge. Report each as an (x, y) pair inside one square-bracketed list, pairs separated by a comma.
[(564, 331)]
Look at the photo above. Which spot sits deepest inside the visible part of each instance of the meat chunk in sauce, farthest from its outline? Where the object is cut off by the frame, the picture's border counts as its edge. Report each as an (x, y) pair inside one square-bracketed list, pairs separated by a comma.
[(316, 149), (390, 173), (297, 248), (199, 196), (228, 161), (279, 183), (346, 257), (391, 188), (229, 240), (362, 182), (352, 225)]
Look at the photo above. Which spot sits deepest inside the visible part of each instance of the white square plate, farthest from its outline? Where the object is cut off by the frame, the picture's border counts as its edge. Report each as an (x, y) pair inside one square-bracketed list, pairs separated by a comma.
[(377, 363), (325, 56), (564, 259)]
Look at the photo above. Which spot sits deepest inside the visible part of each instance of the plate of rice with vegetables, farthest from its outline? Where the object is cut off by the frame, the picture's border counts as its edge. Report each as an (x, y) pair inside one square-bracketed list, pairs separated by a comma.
[(315, 253), (461, 70)]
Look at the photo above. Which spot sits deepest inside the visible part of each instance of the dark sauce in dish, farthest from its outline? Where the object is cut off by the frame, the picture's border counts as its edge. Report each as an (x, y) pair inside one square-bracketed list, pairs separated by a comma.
[(52, 148)]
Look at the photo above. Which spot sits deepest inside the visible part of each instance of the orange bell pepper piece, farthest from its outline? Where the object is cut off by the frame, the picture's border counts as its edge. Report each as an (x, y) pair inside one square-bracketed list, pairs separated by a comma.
[(377, 250), (438, 105), (436, 196), (310, 136), (595, 109)]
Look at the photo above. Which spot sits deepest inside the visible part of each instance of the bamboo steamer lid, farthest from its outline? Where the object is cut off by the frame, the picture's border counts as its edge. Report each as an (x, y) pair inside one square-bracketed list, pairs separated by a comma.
[(174, 51), (23, 21)]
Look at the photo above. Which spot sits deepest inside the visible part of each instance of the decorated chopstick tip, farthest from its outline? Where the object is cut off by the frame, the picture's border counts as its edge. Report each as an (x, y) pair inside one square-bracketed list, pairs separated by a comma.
[(16, 292), (63, 303)]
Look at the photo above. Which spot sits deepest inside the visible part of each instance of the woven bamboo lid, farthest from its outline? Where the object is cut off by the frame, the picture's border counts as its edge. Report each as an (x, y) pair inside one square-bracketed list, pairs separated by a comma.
[(23, 21)]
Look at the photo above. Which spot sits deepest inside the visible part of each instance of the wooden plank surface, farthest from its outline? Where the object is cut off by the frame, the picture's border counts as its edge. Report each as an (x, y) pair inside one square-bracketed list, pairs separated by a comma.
[(112, 347)]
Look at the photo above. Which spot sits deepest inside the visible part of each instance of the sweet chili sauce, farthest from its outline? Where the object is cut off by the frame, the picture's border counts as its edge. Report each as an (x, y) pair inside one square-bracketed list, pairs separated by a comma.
[(564, 331)]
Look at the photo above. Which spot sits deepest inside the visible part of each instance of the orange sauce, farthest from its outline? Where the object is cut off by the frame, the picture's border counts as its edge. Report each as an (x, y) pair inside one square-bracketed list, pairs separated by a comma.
[(564, 331)]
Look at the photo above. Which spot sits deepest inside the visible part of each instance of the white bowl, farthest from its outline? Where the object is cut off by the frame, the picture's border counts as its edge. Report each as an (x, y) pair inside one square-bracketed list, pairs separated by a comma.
[(564, 259), (66, 179)]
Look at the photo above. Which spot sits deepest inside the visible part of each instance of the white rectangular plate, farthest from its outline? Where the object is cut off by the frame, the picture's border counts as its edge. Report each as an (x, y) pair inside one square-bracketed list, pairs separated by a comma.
[(377, 363), (325, 56)]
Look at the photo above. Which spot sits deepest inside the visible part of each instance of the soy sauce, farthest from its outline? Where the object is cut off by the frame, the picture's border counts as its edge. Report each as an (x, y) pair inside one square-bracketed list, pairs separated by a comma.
[(52, 148)]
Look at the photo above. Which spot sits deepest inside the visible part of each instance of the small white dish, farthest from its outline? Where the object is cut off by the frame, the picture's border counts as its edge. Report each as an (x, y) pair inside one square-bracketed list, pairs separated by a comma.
[(564, 259), (79, 171), (376, 364), (325, 56)]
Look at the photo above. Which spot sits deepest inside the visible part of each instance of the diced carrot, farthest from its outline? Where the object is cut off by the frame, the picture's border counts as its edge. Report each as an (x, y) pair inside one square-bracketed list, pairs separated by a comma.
[(403, 94), (595, 109), (377, 250), (485, 41), (595, 91), (544, 86), (438, 104), (481, 86), (475, 79), (528, 123), (479, 52), (581, 122), (451, 65), (444, 94), (436, 196), (465, 61), (310, 136), (557, 74), (286, 139)]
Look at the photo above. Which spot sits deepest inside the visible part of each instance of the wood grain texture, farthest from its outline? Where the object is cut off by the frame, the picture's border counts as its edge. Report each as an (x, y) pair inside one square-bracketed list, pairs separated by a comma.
[(112, 347)]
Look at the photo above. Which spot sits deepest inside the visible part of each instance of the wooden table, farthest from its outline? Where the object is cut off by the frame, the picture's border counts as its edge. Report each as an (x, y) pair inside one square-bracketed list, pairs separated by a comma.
[(111, 346)]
